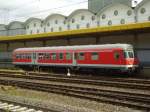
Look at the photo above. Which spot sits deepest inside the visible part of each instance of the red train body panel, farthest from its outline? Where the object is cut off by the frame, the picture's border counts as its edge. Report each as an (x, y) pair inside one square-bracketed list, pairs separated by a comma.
[(109, 56)]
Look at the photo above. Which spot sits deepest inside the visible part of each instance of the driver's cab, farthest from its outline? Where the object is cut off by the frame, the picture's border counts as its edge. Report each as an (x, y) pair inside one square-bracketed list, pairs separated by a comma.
[(130, 58)]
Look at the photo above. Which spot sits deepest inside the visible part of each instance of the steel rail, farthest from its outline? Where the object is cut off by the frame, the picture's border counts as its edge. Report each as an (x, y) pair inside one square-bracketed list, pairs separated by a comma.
[(102, 82), (131, 100)]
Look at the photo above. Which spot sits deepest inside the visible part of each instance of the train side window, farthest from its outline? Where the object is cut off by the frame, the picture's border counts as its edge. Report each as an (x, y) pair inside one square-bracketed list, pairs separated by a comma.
[(27, 56), (125, 54), (81, 56), (53, 56), (116, 55), (94, 56), (23, 56), (17, 56), (75, 56), (68, 56), (61, 56), (47, 56), (40, 56), (30, 56)]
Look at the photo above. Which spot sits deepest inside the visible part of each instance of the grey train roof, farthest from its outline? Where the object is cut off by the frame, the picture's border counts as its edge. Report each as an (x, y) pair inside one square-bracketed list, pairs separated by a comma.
[(104, 46)]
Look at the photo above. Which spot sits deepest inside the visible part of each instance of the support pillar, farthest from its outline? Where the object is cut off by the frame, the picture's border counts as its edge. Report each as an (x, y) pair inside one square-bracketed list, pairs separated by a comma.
[(68, 41), (97, 40), (44, 43), (135, 44), (8, 46), (25, 44)]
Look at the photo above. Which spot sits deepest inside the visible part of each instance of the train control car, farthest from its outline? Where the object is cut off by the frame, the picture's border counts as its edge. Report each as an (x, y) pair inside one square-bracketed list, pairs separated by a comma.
[(118, 57)]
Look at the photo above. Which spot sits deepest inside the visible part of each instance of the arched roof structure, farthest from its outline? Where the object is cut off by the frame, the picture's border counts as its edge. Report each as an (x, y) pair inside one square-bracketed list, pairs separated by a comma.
[(31, 19)]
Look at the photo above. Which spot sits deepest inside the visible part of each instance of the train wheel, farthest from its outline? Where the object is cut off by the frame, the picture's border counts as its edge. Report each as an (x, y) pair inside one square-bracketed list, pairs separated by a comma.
[(36, 68), (130, 71)]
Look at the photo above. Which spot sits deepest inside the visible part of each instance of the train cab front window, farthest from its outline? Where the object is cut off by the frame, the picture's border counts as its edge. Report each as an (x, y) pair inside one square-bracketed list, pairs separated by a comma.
[(128, 54)]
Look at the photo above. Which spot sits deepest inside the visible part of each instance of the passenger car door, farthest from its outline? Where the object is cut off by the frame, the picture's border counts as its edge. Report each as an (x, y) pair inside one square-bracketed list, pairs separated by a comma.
[(34, 58), (74, 57), (117, 57)]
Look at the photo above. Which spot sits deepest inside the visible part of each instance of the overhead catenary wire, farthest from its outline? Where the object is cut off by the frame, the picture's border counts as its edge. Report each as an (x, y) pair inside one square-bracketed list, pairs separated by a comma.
[(46, 10), (19, 13)]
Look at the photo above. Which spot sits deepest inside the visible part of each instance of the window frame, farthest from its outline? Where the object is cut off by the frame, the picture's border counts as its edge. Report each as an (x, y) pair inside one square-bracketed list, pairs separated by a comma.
[(60, 28), (52, 29), (62, 57), (70, 56), (48, 24), (116, 13), (56, 21), (93, 58), (88, 25), (34, 24), (73, 20), (93, 18), (79, 57), (142, 10), (52, 56), (130, 54), (82, 17), (47, 56), (78, 26), (103, 16), (122, 21), (109, 22), (129, 12)]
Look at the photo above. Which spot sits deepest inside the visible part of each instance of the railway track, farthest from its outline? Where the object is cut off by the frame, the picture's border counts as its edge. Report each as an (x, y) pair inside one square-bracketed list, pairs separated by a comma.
[(142, 84), (142, 80), (134, 100)]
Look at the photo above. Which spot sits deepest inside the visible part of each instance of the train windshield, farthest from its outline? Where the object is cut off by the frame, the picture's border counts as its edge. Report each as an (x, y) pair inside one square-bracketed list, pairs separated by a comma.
[(128, 54)]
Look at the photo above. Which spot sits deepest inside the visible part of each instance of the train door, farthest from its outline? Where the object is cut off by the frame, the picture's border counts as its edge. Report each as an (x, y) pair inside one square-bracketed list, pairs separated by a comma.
[(74, 57), (34, 58), (117, 56)]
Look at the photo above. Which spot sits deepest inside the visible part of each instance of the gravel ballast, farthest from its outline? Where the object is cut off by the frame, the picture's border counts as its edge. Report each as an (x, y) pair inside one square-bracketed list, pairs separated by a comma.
[(59, 102)]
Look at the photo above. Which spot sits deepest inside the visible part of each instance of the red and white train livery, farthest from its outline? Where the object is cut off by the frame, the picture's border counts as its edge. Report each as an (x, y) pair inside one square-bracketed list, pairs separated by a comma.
[(108, 56)]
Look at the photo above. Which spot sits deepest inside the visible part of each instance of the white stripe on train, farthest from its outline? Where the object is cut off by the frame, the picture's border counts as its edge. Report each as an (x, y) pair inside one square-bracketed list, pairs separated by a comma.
[(80, 65)]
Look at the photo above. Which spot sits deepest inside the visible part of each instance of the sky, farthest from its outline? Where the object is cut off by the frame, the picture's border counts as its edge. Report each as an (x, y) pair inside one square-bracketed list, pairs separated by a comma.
[(21, 10)]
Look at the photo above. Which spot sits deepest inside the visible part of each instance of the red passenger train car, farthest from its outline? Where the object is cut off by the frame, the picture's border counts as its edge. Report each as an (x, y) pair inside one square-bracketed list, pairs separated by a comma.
[(108, 56)]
